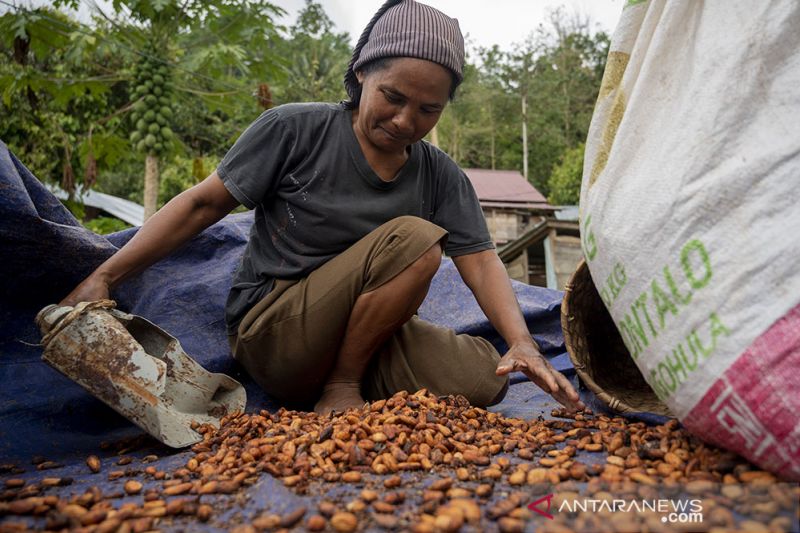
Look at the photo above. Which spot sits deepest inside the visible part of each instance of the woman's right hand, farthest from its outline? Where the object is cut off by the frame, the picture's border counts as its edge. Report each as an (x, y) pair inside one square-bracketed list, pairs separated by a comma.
[(91, 289)]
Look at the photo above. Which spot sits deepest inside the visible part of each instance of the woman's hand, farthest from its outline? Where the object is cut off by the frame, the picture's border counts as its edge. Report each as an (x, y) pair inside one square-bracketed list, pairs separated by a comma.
[(91, 289), (486, 276), (527, 359)]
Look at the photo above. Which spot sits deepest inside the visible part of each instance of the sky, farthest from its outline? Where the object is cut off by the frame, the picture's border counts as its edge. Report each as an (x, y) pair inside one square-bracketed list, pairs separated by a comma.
[(485, 22)]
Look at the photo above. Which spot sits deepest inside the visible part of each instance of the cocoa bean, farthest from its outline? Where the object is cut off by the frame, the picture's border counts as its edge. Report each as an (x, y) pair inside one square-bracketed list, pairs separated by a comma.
[(356, 506), (290, 519), (204, 512), (392, 482), (267, 521), (510, 525), (132, 487), (344, 522), (326, 508), (386, 521), (316, 523), (369, 495)]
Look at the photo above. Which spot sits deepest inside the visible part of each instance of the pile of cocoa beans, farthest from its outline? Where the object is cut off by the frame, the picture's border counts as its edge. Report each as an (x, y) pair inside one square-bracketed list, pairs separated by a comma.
[(419, 463)]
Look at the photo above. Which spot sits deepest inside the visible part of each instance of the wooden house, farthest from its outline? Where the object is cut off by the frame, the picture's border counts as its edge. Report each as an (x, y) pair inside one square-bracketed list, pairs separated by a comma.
[(539, 243)]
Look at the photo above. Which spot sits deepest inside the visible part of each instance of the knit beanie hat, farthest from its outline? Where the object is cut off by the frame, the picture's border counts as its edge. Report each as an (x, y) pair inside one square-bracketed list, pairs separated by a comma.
[(405, 28)]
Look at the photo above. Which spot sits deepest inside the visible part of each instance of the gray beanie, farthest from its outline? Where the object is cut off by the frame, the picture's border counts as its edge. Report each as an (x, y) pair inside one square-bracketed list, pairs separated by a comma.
[(405, 28)]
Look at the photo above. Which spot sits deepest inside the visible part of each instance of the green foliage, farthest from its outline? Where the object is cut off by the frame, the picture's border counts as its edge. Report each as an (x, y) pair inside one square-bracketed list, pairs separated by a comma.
[(477, 128), (124, 179), (316, 58), (106, 225), (56, 82), (107, 149), (562, 90), (111, 88), (181, 79), (182, 173), (565, 181), (557, 70), (76, 208)]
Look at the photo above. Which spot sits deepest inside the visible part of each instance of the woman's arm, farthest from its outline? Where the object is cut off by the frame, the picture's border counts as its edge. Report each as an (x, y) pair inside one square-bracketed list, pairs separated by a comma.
[(486, 276), (182, 218)]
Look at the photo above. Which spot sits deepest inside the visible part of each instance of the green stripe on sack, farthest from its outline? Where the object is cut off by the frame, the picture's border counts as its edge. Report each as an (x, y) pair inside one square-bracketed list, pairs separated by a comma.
[(634, 2)]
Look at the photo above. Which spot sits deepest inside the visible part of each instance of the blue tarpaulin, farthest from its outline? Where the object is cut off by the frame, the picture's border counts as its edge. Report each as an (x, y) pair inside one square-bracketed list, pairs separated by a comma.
[(46, 253)]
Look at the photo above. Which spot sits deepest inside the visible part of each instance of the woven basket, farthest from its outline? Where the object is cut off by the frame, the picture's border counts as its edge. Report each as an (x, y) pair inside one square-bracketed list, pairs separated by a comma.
[(600, 357)]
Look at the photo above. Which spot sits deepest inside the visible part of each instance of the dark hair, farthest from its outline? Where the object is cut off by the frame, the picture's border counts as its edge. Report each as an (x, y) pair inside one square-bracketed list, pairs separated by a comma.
[(382, 64)]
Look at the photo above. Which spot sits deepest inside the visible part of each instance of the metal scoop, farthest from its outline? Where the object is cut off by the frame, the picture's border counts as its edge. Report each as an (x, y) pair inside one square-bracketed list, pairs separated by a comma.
[(138, 369)]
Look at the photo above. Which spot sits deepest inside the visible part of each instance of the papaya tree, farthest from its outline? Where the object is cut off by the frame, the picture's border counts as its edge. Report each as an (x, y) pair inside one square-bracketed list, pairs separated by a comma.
[(86, 96), (214, 50)]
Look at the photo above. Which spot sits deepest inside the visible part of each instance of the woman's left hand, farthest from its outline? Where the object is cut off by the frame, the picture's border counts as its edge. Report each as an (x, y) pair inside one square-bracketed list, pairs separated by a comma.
[(527, 359)]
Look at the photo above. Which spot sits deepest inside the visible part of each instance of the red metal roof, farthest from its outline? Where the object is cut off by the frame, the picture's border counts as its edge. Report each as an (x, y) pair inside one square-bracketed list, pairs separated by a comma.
[(519, 205), (503, 186)]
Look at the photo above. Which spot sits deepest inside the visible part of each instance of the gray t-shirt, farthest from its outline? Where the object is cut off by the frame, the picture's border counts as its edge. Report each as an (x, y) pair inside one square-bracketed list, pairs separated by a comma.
[(301, 168)]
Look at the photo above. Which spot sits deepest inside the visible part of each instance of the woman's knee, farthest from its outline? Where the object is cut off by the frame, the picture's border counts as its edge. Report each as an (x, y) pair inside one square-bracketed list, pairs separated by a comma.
[(428, 263), (491, 389), (411, 223), (405, 244), (411, 227), (501, 394)]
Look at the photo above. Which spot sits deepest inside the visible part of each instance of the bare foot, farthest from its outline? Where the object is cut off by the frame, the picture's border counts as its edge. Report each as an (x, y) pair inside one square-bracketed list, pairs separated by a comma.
[(339, 397)]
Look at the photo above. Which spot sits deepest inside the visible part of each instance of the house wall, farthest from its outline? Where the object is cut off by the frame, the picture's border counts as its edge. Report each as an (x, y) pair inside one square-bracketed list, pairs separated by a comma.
[(518, 268), (537, 268), (504, 226), (564, 253)]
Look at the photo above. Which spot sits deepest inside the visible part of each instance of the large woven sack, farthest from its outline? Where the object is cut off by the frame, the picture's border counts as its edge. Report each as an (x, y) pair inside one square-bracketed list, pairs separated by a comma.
[(690, 214)]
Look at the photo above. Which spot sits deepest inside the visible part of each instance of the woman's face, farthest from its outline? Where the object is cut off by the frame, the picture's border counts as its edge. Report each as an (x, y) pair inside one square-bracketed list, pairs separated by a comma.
[(401, 103)]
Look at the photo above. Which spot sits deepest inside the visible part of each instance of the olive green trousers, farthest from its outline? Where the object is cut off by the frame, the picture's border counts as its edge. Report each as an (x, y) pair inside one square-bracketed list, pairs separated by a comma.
[(288, 342)]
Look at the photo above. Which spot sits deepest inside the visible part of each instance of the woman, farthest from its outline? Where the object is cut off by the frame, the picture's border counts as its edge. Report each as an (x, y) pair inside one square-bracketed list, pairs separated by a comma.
[(353, 212)]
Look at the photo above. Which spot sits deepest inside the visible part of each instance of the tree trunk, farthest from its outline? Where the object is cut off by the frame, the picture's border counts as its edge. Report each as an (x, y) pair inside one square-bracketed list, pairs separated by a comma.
[(150, 185), (454, 146), (567, 105), (493, 150), (435, 136), (524, 136), (492, 136)]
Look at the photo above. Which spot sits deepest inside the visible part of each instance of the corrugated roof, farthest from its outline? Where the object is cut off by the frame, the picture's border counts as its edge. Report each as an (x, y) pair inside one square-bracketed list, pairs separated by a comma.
[(518, 205), (568, 212), (503, 186), (130, 212)]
